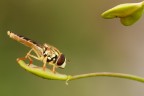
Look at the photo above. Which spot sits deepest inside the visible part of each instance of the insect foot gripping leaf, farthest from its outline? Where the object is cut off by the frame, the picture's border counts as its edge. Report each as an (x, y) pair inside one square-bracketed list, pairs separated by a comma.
[(128, 13), (47, 74)]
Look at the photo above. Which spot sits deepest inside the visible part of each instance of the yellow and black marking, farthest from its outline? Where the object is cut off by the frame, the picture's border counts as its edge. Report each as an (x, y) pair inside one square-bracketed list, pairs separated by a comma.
[(26, 41), (45, 53)]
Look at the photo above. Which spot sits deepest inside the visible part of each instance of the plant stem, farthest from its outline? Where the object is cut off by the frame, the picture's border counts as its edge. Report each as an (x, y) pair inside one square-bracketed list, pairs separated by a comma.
[(47, 74), (108, 74)]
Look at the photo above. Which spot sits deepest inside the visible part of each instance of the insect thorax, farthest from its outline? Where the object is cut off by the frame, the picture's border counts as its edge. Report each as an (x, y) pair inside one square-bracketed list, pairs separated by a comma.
[(53, 56), (50, 54)]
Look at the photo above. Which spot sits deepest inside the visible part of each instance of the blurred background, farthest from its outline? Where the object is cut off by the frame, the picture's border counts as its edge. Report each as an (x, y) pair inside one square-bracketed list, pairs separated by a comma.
[(90, 43)]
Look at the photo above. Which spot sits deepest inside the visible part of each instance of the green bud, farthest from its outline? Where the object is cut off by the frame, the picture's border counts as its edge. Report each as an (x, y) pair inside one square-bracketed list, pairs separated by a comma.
[(47, 74), (128, 13)]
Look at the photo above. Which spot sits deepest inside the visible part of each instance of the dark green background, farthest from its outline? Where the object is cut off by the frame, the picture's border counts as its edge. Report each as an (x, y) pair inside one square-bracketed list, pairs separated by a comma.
[(90, 43)]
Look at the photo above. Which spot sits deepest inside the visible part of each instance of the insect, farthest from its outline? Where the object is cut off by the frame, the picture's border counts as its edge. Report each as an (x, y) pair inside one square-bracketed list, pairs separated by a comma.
[(45, 53)]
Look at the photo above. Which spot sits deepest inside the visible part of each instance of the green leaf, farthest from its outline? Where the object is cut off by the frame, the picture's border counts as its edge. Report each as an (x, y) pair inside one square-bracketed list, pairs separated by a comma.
[(47, 74)]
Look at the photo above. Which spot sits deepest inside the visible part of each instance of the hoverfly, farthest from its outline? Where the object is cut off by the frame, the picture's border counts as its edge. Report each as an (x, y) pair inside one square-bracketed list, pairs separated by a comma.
[(45, 53)]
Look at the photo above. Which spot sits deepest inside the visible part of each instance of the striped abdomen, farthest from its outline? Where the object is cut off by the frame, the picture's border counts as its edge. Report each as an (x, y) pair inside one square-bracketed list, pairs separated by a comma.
[(25, 41)]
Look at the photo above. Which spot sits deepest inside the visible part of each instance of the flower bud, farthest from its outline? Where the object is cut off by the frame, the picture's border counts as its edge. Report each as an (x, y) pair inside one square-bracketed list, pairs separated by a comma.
[(128, 13)]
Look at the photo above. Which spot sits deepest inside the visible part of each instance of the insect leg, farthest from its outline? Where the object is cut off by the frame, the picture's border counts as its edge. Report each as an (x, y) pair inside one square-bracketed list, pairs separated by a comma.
[(38, 57), (44, 65), (27, 56), (35, 57), (31, 61), (36, 53), (54, 69), (24, 58), (44, 61)]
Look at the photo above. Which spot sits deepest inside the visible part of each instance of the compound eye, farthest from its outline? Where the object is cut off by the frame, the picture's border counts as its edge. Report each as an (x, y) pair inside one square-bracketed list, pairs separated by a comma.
[(61, 60)]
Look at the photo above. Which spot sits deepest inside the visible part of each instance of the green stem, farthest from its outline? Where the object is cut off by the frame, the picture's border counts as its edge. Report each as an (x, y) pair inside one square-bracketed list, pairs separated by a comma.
[(108, 74), (48, 74)]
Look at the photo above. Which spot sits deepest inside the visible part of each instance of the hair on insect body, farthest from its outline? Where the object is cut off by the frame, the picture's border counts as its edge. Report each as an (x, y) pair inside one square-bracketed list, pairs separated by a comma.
[(45, 53)]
